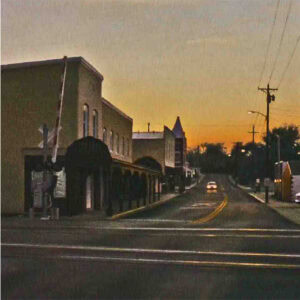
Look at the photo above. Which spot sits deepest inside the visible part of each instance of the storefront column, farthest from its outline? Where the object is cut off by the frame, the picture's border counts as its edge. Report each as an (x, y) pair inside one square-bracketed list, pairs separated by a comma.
[(153, 188), (109, 210), (159, 187)]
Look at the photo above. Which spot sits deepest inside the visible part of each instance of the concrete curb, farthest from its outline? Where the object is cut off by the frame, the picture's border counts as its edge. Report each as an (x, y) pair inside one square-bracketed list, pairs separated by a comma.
[(277, 210), (257, 198)]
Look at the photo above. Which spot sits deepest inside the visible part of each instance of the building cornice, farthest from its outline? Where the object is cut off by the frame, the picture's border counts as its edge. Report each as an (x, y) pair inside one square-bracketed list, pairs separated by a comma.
[(30, 64), (107, 103)]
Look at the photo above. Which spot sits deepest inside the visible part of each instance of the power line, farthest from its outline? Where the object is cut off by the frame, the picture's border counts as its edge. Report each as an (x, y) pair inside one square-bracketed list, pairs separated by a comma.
[(281, 40), (269, 42), (289, 62)]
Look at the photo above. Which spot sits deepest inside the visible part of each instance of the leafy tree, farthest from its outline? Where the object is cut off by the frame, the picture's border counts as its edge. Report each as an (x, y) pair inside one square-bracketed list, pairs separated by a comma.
[(214, 158), (247, 162), (289, 143)]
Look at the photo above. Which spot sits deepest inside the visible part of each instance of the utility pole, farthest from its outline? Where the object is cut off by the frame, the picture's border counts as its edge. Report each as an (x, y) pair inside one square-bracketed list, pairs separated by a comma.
[(253, 134), (278, 147), (236, 160), (148, 126), (270, 98)]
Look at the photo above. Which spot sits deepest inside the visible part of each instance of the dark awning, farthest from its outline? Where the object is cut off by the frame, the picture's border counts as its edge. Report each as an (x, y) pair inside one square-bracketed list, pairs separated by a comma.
[(89, 153), (149, 162)]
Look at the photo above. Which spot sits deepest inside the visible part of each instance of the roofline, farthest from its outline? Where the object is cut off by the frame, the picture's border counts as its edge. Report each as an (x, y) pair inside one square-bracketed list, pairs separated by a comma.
[(145, 139), (166, 128), (79, 59), (148, 132), (106, 102)]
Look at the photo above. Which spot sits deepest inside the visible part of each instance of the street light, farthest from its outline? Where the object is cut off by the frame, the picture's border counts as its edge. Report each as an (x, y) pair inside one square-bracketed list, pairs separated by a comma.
[(256, 112)]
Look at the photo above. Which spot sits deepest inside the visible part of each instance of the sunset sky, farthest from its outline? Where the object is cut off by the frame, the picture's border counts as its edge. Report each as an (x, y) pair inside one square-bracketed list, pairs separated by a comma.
[(197, 59)]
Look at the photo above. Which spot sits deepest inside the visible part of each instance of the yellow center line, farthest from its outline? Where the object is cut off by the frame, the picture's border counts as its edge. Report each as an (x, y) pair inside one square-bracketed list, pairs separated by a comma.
[(213, 214)]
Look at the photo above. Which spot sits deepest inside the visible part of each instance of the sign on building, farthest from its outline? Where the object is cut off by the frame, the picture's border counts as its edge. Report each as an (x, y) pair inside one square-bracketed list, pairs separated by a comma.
[(60, 189), (37, 188)]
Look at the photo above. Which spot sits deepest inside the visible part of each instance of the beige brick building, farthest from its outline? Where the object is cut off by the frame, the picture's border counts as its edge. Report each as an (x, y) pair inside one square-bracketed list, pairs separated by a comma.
[(157, 145), (117, 132), (30, 92)]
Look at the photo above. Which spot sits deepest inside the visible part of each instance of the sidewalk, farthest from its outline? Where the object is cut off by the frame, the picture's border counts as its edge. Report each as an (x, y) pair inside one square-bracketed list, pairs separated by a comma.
[(93, 219), (289, 210)]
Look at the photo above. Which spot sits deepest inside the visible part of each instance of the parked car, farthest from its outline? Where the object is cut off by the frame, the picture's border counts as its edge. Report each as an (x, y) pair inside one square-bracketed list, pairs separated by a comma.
[(211, 185), (297, 198)]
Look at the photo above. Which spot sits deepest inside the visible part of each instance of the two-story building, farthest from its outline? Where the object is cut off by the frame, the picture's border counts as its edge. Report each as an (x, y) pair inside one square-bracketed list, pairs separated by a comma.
[(159, 146), (95, 142)]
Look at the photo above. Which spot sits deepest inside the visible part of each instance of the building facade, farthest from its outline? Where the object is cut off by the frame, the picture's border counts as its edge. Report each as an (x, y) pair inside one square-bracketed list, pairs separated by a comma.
[(161, 147), (117, 132), (90, 170), (180, 153)]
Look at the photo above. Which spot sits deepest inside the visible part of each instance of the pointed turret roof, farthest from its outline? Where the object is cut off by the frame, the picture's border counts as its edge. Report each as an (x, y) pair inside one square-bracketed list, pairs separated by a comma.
[(177, 129)]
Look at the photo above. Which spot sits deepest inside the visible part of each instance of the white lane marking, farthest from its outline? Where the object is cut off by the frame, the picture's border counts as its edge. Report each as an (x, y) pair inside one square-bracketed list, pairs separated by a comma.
[(153, 220), (205, 204), (196, 234), (149, 251), (178, 262), (197, 229), (193, 207), (170, 229)]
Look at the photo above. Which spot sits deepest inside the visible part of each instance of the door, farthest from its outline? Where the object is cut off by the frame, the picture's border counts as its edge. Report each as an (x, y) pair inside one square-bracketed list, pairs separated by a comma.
[(89, 195)]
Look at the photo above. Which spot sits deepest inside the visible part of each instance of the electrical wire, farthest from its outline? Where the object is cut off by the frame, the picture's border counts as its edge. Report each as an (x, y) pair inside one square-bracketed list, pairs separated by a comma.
[(269, 43), (281, 40), (289, 62)]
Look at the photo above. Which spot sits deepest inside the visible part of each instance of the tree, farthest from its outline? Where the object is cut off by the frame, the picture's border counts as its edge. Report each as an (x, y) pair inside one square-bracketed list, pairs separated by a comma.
[(214, 158), (247, 162), (289, 143)]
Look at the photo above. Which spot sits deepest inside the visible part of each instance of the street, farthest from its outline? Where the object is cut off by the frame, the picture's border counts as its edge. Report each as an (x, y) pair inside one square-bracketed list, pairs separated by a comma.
[(202, 245)]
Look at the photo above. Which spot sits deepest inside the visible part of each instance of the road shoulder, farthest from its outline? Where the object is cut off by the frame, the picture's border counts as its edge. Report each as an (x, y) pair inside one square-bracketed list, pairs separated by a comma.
[(288, 210)]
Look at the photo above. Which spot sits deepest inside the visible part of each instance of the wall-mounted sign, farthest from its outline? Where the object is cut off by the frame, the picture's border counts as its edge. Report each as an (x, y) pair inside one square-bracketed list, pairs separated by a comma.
[(37, 188), (60, 189)]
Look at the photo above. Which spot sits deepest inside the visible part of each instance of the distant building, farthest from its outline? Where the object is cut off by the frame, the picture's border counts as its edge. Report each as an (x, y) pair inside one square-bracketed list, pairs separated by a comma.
[(180, 145), (180, 152), (95, 174), (159, 146)]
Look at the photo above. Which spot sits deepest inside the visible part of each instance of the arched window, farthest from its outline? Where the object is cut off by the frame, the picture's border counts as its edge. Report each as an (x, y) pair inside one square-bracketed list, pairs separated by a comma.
[(85, 120), (123, 146), (112, 136), (117, 143), (127, 147), (95, 124), (104, 135)]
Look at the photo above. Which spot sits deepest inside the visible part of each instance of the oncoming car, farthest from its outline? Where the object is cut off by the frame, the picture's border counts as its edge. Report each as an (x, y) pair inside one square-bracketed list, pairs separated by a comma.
[(211, 185)]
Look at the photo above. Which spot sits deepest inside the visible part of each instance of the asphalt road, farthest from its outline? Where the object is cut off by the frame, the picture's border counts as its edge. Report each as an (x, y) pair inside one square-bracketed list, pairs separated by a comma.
[(201, 245)]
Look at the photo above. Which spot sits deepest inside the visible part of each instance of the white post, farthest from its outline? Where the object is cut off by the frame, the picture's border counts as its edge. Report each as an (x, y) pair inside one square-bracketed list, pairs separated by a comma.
[(59, 111)]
